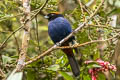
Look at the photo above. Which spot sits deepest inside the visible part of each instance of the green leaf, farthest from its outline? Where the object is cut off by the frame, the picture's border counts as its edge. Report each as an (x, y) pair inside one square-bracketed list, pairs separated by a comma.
[(30, 75), (117, 3), (93, 66), (14, 56), (15, 75), (86, 77), (43, 28), (6, 59), (110, 2), (96, 55), (66, 76), (114, 11), (54, 67), (101, 76)]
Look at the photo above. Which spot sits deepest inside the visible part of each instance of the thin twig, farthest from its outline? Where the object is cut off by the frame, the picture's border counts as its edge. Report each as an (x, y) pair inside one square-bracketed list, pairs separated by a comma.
[(2, 73), (97, 8), (10, 36), (40, 9), (90, 3), (37, 34), (18, 49), (89, 12), (89, 34), (5, 18), (81, 7), (105, 26)]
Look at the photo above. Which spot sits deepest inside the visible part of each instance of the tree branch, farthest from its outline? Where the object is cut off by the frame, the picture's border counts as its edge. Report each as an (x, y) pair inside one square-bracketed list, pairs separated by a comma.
[(86, 43), (2, 73), (25, 39), (26, 25)]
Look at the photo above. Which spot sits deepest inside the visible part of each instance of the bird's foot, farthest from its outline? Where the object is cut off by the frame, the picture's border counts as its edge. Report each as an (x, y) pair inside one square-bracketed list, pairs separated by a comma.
[(58, 44)]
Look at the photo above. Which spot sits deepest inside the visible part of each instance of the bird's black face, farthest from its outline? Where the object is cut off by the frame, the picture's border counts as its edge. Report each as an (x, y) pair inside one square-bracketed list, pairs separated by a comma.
[(52, 16)]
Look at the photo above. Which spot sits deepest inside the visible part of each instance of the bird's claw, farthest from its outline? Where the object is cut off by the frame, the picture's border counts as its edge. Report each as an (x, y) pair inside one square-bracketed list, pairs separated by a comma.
[(58, 44)]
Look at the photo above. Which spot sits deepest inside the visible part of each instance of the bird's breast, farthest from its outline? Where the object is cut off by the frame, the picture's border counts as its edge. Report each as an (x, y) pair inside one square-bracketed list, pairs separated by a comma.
[(59, 29)]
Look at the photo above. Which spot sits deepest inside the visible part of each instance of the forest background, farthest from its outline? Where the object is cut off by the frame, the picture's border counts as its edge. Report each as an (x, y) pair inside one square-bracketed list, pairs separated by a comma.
[(27, 52)]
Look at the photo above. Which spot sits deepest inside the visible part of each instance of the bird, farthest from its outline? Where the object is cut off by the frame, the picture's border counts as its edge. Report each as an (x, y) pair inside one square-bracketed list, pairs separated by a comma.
[(58, 29)]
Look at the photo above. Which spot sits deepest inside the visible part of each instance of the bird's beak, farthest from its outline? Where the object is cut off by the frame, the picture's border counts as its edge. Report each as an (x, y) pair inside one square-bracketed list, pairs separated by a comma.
[(46, 17)]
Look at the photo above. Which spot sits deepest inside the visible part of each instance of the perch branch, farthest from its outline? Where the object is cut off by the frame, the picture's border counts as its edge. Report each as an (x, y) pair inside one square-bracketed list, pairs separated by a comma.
[(86, 43), (63, 47)]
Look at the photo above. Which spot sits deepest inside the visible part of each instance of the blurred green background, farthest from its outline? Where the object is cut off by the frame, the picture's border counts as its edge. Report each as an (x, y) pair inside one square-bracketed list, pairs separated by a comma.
[(55, 66)]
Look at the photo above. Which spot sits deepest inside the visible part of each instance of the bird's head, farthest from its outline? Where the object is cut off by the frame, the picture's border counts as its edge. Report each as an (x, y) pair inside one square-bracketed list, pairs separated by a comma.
[(53, 15)]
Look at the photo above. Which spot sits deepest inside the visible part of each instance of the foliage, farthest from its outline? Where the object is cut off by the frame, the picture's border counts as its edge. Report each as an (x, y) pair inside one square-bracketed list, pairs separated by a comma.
[(55, 66)]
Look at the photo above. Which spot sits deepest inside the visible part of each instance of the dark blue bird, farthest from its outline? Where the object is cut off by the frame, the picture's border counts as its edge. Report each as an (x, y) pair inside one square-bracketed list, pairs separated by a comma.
[(58, 29)]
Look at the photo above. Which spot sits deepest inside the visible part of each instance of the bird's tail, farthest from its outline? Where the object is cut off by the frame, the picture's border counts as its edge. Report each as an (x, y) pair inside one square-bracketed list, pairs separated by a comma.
[(74, 65)]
